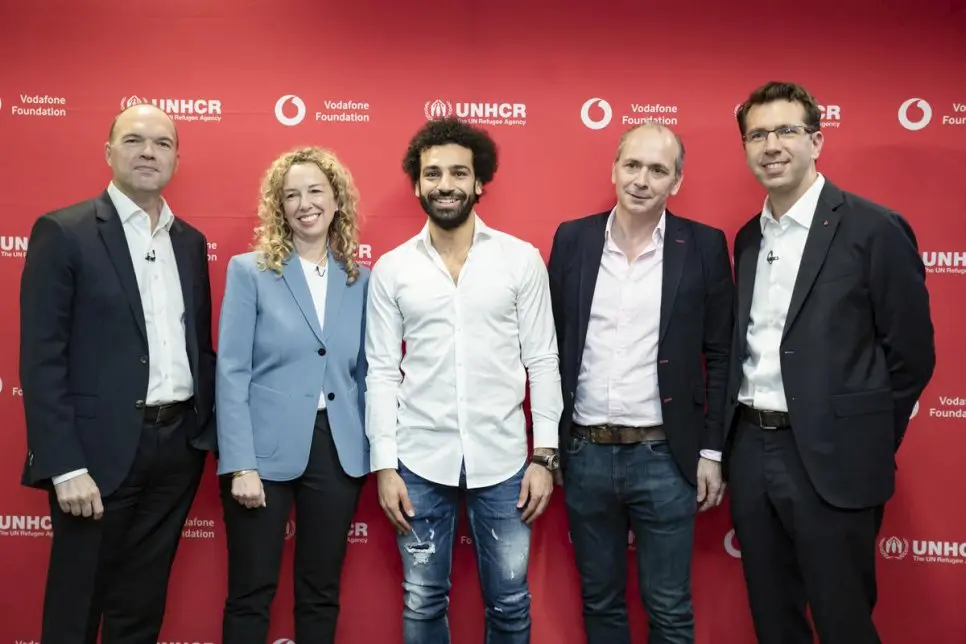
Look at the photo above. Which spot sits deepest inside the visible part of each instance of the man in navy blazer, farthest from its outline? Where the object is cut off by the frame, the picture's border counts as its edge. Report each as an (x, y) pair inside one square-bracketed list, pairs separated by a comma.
[(118, 371), (642, 299), (833, 345)]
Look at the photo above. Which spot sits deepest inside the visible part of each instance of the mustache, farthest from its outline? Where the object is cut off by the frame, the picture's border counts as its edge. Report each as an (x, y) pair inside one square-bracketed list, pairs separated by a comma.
[(447, 194)]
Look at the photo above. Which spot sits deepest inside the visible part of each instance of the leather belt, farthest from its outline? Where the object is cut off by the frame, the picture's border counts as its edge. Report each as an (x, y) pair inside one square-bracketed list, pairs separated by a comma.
[(771, 420), (162, 414), (618, 434)]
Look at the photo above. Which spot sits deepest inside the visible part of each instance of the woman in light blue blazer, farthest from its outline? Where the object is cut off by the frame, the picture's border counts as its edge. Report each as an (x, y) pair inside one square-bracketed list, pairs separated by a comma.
[(290, 394)]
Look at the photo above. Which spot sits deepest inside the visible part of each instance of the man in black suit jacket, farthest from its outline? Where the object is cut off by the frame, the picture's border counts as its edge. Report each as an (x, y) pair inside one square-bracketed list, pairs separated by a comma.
[(641, 299), (118, 373), (833, 346)]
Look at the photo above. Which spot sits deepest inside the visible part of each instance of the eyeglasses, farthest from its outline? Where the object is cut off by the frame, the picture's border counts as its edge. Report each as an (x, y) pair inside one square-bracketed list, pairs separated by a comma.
[(783, 132)]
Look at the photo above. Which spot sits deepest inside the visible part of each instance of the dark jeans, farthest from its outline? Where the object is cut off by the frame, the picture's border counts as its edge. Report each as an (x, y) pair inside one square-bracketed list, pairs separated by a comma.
[(113, 573), (502, 542), (325, 500), (610, 489)]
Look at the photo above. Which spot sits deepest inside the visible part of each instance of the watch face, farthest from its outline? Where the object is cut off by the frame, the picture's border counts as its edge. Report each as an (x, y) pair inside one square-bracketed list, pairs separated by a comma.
[(550, 462)]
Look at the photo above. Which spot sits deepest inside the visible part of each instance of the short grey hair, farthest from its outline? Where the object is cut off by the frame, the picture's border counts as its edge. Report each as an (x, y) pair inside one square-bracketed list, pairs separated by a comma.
[(678, 161)]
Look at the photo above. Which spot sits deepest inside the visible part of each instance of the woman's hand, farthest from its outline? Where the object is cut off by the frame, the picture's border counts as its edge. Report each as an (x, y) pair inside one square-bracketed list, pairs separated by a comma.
[(248, 490)]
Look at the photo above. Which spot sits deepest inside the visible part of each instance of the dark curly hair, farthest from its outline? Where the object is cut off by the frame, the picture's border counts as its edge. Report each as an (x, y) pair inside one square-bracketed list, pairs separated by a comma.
[(452, 131)]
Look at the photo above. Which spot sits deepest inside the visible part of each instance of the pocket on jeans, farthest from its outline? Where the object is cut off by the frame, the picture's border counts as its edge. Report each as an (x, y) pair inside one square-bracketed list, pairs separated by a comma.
[(575, 445), (659, 448)]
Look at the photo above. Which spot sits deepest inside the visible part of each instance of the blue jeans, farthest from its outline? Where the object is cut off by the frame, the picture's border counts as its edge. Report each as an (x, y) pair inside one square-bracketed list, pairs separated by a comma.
[(609, 489), (502, 542)]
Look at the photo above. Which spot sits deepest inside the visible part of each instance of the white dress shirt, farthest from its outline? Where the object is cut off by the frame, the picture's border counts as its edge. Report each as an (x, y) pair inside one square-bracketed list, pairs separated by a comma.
[(761, 386), (617, 383), (469, 349), (169, 374), (318, 286)]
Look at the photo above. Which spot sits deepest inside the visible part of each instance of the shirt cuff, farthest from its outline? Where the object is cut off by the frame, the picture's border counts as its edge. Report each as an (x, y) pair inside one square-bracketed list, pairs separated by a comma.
[(57, 480), (711, 455), (383, 456), (545, 435)]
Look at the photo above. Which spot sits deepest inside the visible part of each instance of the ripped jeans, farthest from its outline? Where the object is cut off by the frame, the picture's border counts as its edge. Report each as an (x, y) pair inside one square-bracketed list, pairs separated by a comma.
[(502, 542)]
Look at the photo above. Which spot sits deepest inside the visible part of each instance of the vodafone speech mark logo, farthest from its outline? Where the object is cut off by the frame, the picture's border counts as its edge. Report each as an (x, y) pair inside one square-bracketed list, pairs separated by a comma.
[(280, 110), (731, 545), (607, 113), (923, 120)]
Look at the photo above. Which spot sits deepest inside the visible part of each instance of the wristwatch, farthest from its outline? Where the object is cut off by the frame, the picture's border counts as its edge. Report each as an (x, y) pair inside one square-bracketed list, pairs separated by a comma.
[(551, 462)]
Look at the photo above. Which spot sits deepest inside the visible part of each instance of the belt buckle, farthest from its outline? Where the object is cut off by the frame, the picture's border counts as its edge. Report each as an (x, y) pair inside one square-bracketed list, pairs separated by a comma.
[(761, 421)]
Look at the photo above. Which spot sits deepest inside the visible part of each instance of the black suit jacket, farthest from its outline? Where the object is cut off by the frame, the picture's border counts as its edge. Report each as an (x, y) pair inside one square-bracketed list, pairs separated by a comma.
[(857, 347), (695, 326), (83, 344)]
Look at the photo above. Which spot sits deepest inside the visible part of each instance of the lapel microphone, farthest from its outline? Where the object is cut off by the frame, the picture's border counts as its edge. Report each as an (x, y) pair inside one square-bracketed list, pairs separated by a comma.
[(150, 256), (771, 257)]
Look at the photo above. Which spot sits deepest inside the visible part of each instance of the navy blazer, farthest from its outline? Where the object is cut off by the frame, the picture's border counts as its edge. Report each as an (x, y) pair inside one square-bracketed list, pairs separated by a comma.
[(696, 318), (275, 358)]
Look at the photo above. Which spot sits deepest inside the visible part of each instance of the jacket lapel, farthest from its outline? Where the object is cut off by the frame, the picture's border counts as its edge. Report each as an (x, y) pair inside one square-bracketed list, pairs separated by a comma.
[(676, 243), (747, 269), (294, 277), (820, 235), (590, 255), (111, 231), (186, 272), (334, 290)]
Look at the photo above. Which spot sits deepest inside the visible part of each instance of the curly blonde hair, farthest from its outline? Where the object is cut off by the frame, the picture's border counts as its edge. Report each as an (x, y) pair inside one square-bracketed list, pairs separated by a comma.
[(273, 238)]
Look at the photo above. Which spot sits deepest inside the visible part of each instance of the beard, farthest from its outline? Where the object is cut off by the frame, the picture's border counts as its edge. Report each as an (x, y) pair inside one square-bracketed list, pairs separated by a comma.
[(452, 217)]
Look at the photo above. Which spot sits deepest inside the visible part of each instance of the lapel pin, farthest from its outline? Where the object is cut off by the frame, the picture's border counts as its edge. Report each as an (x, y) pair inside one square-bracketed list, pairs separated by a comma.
[(825, 223), (680, 241)]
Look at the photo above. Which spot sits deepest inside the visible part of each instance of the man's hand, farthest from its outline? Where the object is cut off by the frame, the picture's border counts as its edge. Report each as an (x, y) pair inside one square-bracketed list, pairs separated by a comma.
[(535, 492), (394, 499), (79, 496), (710, 487)]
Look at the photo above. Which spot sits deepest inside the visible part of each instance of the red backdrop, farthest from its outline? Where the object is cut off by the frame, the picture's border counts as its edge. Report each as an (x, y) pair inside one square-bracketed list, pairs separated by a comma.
[(360, 77)]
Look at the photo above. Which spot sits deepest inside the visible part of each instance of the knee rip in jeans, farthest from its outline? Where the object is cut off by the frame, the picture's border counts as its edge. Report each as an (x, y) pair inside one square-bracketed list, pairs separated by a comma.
[(516, 600), (421, 552)]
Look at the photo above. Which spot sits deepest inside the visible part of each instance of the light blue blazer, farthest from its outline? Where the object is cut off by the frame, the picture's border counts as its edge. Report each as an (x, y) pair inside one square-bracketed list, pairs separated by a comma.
[(274, 359)]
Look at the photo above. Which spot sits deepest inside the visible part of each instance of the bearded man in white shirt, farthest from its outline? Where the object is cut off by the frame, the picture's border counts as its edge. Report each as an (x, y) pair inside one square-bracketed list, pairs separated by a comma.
[(472, 305)]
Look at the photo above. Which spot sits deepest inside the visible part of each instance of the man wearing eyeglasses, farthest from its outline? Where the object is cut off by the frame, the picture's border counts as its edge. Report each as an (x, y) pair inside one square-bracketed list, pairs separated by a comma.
[(833, 345)]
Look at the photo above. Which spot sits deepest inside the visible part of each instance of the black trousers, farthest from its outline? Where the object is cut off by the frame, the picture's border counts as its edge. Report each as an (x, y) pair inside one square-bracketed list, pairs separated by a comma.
[(116, 569), (798, 550), (325, 500)]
